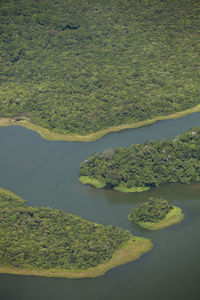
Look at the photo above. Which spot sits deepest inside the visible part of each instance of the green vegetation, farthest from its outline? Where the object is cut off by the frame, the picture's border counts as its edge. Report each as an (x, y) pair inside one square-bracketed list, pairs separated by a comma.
[(91, 181), (52, 136), (124, 189), (156, 214), (79, 67), (152, 211), (45, 241), (148, 165), (174, 216)]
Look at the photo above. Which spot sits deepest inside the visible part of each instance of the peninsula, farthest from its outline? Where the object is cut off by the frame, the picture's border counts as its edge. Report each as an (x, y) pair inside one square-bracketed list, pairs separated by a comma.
[(147, 165), (49, 242)]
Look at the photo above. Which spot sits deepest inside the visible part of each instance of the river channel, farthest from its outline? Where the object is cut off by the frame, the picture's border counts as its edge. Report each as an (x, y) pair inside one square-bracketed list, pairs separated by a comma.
[(46, 174)]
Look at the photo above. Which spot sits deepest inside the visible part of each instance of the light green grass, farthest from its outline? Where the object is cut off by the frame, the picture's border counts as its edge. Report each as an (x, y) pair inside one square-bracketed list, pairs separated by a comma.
[(174, 216), (92, 181), (124, 189), (52, 136), (10, 194), (99, 185)]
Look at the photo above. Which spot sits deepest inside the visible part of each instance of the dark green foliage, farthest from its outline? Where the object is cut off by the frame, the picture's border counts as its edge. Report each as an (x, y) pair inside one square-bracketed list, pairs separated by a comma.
[(153, 210), (47, 238), (149, 164), (79, 66)]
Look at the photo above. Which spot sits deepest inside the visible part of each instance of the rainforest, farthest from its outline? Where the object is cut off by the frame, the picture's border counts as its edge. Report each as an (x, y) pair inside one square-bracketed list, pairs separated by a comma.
[(76, 67), (152, 210), (75, 71), (156, 214), (45, 239), (147, 165)]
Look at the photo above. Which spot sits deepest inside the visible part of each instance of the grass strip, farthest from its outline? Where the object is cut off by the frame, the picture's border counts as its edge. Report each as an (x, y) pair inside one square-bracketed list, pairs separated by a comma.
[(124, 189), (52, 136), (91, 181)]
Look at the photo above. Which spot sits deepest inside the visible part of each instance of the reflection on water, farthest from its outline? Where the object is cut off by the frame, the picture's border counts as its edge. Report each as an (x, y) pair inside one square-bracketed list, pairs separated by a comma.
[(195, 186)]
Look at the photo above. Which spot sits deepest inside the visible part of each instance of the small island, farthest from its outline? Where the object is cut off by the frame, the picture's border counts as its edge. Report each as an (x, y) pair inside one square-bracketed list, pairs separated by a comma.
[(143, 166), (49, 242), (156, 214)]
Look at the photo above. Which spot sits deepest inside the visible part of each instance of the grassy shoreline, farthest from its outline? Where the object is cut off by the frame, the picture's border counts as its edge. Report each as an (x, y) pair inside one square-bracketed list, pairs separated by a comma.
[(91, 181), (175, 216), (51, 136), (99, 185), (133, 189), (9, 193), (129, 252)]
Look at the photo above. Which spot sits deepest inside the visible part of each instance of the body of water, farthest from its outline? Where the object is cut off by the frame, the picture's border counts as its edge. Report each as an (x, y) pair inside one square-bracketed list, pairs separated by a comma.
[(46, 174)]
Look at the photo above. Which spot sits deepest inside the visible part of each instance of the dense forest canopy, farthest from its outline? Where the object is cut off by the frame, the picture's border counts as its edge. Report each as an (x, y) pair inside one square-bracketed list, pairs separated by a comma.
[(152, 210), (46, 238), (147, 165), (77, 66)]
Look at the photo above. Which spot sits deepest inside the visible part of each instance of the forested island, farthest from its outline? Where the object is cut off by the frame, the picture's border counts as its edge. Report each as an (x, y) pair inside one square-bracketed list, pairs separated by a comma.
[(156, 214), (50, 242), (77, 70), (147, 165)]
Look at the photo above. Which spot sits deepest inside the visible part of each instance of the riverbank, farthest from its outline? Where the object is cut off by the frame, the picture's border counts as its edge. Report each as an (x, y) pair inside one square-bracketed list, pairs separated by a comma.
[(51, 136), (129, 252), (174, 216)]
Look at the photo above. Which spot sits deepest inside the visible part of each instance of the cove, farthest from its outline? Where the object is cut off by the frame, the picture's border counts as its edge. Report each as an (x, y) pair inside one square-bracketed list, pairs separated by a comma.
[(46, 174)]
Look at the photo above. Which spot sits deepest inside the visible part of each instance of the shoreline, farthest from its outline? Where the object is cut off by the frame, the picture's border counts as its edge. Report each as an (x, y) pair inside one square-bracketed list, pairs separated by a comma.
[(51, 136), (99, 185), (174, 216), (131, 251), (91, 181), (133, 189)]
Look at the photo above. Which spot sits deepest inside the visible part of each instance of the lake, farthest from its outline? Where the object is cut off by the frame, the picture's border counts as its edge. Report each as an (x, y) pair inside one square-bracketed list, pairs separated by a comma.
[(46, 174)]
